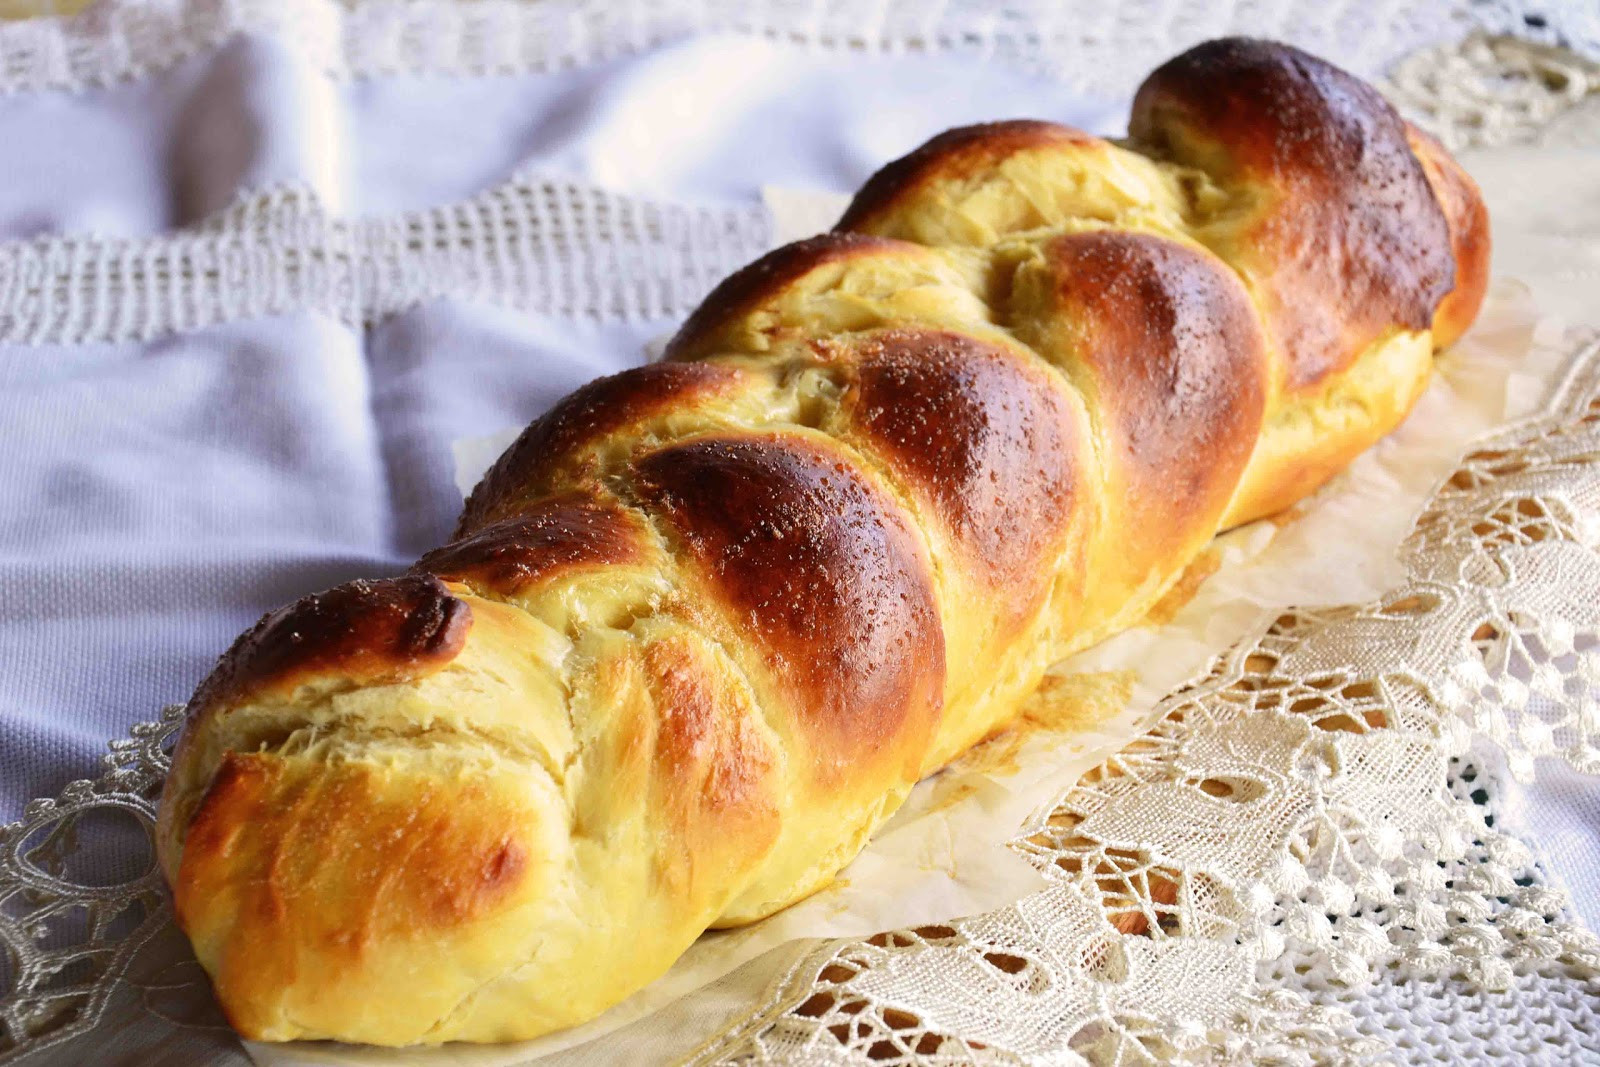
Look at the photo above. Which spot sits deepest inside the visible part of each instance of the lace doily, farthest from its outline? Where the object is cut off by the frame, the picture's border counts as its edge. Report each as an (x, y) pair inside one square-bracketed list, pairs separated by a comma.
[(1100, 48), (1488, 91), (1307, 829), (1307, 826)]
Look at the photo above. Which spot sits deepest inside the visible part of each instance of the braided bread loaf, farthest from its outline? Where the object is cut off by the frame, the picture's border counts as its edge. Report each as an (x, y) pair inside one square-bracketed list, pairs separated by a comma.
[(707, 622)]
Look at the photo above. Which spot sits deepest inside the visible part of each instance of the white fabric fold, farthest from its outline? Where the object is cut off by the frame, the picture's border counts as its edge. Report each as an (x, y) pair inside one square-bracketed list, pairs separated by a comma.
[(159, 496)]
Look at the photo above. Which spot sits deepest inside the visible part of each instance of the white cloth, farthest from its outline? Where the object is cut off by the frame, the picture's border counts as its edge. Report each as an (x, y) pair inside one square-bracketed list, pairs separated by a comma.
[(159, 496), (710, 118)]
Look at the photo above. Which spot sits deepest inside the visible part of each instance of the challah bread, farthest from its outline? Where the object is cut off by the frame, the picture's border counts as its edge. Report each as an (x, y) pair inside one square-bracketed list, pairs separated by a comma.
[(707, 622)]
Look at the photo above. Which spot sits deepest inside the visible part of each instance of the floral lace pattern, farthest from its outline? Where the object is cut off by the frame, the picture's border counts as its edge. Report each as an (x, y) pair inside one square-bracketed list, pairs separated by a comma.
[(1486, 91), (1300, 824), (1307, 822)]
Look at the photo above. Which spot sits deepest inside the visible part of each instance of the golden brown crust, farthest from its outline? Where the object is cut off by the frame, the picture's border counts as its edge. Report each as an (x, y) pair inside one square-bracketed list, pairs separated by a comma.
[(1468, 218), (707, 621), (257, 861), (827, 285), (951, 156), (1178, 361), (368, 632), (821, 572), (549, 539), (977, 186), (736, 295), (718, 787), (1342, 239), (554, 449), (1164, 341), (984, 438), (469, 872)]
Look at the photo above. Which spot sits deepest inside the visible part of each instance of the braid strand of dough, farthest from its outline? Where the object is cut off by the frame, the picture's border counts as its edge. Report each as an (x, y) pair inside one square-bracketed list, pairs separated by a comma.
[(707, 622)]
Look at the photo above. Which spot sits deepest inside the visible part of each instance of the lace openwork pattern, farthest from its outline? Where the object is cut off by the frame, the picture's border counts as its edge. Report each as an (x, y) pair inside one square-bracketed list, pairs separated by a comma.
[(1307, 824), (70, 923), (1102, 48), (1486, 91), (551, 246), (565, 248)]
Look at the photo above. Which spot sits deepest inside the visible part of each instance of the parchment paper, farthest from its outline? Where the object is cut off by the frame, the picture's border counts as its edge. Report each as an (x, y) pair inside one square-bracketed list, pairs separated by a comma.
[(942, 855)]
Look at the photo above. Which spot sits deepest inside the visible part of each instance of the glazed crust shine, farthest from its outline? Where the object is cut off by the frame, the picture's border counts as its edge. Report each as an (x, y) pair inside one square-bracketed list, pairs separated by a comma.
[(707, 622)]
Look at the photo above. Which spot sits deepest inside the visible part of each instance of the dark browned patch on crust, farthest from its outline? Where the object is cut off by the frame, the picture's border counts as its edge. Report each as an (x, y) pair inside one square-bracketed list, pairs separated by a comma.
[(953, 154), (984, 438), (1352, 242), (1468, 219), (822, 572), (365, 632), (750, 285), (554, 536), (1175, 348), (604, 406)]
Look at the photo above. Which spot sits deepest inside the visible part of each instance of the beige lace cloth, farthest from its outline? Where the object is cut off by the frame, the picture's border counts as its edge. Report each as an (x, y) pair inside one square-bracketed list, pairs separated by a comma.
[(1301, 863), (1307, 826)]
